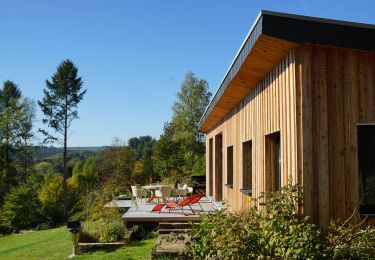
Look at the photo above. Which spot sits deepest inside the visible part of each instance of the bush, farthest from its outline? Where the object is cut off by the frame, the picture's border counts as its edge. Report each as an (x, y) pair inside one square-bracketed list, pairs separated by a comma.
[(225, 235), (51, 197), (104, 230), (91, 205), (20, 210), (345, 241), (283, 233), (275, 231)]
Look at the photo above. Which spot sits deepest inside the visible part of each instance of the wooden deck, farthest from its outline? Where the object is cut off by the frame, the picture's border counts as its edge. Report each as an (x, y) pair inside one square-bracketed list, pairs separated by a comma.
[(141, 214)]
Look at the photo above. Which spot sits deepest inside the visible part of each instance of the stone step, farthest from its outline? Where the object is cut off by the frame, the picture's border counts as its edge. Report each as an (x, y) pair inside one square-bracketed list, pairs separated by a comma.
[(170, 247), (174, 230), (174, 225)]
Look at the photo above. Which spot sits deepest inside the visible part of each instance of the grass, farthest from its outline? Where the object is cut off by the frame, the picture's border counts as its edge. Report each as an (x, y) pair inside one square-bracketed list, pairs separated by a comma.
[(57, 244)]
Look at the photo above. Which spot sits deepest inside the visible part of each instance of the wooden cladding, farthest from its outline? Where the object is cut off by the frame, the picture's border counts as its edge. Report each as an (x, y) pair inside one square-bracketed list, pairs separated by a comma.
[(336, 92), (270, 107), (313, 99)]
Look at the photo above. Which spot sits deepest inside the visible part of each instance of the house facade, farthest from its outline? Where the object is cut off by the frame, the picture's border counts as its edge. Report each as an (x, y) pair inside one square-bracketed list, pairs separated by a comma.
[(297, 102)]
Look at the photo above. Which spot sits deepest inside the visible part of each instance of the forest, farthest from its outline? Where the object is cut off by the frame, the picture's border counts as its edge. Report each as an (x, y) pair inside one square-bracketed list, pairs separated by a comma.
[(45, 183)]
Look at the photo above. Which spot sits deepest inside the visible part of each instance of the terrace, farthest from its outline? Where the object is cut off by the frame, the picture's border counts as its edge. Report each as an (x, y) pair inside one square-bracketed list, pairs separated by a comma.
[(140, 213)]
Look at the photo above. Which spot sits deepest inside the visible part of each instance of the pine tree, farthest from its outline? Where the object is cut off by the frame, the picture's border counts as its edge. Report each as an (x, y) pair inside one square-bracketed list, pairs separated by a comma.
[(59, 106), (10, 97)]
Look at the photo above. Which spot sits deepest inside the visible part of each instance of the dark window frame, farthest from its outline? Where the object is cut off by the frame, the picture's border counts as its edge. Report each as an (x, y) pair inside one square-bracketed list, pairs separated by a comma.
[(273, 161), (210, 167), (230, 166), (247, 165), (366, 164)]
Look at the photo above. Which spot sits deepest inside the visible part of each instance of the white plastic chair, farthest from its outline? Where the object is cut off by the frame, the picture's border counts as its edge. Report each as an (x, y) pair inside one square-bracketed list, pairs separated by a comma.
[(138, 193), (190, 190), (163, 193), (182, 190)]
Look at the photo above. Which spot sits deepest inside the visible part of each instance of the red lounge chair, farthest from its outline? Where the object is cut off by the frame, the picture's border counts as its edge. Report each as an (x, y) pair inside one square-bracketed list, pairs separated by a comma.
[(181, 204), (186, 202), (196, 198)]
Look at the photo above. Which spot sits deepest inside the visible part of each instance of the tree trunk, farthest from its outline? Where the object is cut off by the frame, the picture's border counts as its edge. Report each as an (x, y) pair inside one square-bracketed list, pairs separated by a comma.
[(64, 161), (25, 161)]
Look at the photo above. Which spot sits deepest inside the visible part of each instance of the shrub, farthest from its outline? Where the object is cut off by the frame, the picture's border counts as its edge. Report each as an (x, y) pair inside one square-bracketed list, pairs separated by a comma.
[(345, 241), (104, 230), (225, 235), (20, 210), (276, 231), (51, 197), (91, 205), (282, 232)]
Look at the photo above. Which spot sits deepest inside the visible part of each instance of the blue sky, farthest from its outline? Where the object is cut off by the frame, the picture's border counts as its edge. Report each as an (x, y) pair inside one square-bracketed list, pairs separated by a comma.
[(133, 55)]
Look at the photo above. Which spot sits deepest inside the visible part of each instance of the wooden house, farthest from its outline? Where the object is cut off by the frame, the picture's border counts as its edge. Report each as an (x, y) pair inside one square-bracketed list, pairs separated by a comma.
[(297, 101)]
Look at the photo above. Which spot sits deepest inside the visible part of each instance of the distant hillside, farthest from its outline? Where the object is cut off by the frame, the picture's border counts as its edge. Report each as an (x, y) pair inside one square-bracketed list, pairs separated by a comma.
[(44, 152)]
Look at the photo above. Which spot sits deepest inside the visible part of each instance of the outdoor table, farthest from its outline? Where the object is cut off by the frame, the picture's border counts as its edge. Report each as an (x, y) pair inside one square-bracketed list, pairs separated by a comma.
[(152, 189)]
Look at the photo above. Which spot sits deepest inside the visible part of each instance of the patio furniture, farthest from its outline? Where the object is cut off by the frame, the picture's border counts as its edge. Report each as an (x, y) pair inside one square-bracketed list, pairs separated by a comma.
[(181, 190), (152, 188), (190, 191), (196, 199), (163, 193), (180, 205), (189, 201), (138, 193)]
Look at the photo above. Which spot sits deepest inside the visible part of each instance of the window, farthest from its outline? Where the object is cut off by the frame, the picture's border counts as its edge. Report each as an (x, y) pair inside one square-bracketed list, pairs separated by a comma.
[(229, 167), (273, 162), (218, 194), (210, 167), (247, 148), (366, 164)]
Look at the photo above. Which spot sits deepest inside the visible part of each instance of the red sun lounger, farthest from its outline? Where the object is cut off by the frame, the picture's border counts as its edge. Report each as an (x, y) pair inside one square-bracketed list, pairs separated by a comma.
[(186, 202)]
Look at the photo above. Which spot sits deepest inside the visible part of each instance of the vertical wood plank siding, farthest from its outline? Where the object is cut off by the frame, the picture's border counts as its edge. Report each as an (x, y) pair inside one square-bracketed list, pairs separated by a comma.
[(269, 107), (337, 93), (315, 97)]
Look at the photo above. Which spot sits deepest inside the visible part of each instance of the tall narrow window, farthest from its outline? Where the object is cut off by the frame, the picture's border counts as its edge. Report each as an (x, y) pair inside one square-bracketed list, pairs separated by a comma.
[(218, 192), (366, 164), (273, 162), (210, 167), (229, 167), (247, 185)]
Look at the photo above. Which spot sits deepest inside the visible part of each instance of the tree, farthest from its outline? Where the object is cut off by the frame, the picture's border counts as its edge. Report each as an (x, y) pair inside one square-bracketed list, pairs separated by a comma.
[(167, 153), (10, 97), (59, 106), (51, 197), (116, 164), (142, 146), (144, 169), (20, 210), (27, 117), (180, 149), (192, 100)]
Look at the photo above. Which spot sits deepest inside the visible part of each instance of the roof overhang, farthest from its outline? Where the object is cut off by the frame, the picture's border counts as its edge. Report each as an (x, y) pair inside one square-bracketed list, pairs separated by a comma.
[(270, 38)]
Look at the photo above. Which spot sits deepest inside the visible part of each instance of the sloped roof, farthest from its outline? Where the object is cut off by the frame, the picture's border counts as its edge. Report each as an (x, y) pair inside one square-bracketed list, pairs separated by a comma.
[(270, 38)]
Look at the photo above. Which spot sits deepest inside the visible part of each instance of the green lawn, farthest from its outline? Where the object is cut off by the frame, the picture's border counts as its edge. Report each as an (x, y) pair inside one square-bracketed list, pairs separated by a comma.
[(56, 244)]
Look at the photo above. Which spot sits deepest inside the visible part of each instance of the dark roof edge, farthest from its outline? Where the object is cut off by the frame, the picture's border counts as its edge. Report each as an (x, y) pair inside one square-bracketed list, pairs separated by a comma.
[(286, 26), (216, 96), (318, 19)]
